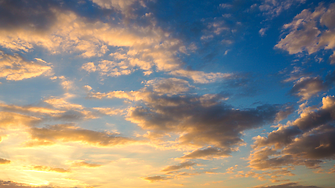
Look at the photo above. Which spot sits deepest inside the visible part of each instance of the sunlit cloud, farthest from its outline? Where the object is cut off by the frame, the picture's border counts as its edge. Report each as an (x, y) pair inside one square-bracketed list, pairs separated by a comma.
[(14, 67), (304, 25), (69, 133), (145, 93)]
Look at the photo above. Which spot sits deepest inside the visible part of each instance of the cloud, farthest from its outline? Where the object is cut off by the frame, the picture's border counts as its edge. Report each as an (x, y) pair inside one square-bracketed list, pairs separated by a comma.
[(224, 5), (62, 103), (308, 140), (4, 161), (262, 31), (12, 120), (85, 164), (305, 33), (14, 67), (152, 179), (210, 152), (307, 87), (138, 47), (50, 169), (12, 184), (109, 111), (89, 67), (169, 85), (32, 15), (217, 124), (199, 120), (31, 109), (64, 110), (182, 165), (199, 76), (69, 133), (274, 8), (109, 68), (287, 185), (125, 7)]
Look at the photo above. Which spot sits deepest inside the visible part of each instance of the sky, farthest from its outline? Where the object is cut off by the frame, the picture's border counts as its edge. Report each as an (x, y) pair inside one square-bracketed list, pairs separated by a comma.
[(167, 93)]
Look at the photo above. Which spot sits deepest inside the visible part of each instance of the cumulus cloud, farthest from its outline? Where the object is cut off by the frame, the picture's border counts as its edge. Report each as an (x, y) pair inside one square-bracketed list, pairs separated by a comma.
[(69, 133), (182, 165), (14, 67), (308, 140), (305, 33), (198, 120)]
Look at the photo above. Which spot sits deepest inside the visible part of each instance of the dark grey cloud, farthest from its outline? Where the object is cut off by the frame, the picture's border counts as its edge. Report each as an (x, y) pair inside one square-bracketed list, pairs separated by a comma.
[(32, 14), (215, 124), (199, 120), (280, 137), (317, 144), (308, 140)]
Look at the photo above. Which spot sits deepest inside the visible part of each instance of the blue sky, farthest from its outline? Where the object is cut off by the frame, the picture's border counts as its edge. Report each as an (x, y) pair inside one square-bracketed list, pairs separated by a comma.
[(165, 93)]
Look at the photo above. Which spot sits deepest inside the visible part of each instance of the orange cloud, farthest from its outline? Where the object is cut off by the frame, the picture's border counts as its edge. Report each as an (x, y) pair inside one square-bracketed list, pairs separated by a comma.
[(69, 133), (50, 169), (4, 161), (14, 67)]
